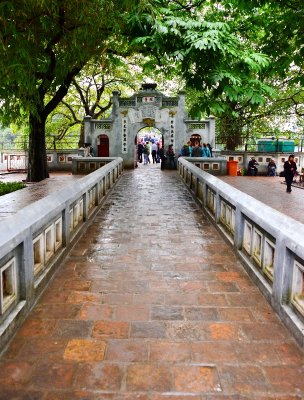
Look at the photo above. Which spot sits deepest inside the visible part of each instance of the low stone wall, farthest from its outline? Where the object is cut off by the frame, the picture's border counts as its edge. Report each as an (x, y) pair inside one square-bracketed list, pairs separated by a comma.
[(17, 160), (269, 243), (34, 240), (212, 165), (263, 159), (86, 165)]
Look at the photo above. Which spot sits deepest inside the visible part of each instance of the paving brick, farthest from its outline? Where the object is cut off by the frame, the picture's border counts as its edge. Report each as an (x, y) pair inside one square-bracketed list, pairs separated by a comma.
[(176, 396), (245, 300), (75, 297), (186, 331), (127, 350), (256, 352), (105, 286), (70, 329), (132, 313), (148, 330), (180, 299), (119, 298), (79, 285), (235, 314), (289, 353), (43, 348), (208, 299), (213, 352), (149, 298), (54, 296), (99, 376), (53, 375), (170, 352), (14, 349), (223, 331), (243, 379), (230, 276), (167, 313), (84, 350), (286, 379), (14, 374), (146, 377), (265, 331), (21, 395), (36, 327), (52, 311), (222, 287), (111, 329), (196, 379), (152, 304), (95, 312), (192, 286), (201, 314)]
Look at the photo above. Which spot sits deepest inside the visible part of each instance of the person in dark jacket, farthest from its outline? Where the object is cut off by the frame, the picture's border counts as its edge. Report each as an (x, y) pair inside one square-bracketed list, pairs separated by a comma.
[(210, 149), (290, 168), (271, 168), (140, 149), (252, 167), (170, 154), (161, 153), (196, 150)]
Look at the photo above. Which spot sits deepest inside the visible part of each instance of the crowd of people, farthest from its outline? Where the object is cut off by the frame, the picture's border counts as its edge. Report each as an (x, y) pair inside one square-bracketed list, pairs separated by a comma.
[(150, 146), (188, 150), (147, 147)]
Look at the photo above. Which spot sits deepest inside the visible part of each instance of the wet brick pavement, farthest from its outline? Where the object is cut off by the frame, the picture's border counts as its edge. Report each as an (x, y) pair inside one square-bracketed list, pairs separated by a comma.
[(15, 201), (271, 191), (152, 304)]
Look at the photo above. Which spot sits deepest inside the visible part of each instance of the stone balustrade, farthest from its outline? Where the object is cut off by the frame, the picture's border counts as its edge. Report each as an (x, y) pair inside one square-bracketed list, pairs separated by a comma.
[(86, 165), (269, 243), (35, 239), (213, 165)]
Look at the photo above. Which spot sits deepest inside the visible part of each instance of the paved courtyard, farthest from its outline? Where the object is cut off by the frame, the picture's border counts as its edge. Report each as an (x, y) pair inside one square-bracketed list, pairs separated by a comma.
[(271, 191), (15, 201), (152, 304)]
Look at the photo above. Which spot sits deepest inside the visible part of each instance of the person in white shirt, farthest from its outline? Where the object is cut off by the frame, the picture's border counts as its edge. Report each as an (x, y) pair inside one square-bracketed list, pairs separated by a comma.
[(154, 152)]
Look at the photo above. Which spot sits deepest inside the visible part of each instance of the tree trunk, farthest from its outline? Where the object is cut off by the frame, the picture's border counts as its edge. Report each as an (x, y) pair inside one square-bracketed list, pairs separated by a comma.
[(81, 136), (37, 163)]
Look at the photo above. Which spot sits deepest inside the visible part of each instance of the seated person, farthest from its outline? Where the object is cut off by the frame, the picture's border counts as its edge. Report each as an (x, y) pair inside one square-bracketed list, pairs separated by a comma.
[(271, 168), (252, 167)]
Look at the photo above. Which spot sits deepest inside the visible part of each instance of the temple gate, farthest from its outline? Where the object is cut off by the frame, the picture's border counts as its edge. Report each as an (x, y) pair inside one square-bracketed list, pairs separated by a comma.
[(116, 136)]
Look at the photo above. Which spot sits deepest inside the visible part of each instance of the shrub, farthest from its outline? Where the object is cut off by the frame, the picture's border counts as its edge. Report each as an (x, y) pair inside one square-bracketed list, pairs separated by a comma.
[(8, 187)]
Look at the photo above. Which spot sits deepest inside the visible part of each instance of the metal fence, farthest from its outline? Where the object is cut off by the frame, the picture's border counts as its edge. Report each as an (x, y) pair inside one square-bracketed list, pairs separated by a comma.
[(16, 162)]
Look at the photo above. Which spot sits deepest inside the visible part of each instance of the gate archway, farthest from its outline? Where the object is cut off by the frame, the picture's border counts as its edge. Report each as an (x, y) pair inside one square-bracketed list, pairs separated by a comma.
[(146, 108), (149, 134)]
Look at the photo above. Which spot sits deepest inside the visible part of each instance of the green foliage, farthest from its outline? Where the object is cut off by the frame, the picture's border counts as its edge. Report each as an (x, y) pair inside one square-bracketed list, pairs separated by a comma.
[(240, 60), (8, 187)]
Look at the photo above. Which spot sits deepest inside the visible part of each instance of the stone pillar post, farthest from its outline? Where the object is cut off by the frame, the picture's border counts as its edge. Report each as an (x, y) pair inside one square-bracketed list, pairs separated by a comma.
[(115, 101), (211, 133), (87, 129), (182, 103), (180, 126)]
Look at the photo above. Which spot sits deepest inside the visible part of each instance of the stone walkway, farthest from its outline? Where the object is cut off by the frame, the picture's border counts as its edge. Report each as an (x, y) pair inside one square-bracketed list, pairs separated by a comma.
[(152, 304)]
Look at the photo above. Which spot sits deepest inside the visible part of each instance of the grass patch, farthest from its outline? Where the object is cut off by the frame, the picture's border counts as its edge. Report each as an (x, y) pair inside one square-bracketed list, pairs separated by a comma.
[(8, 187)]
